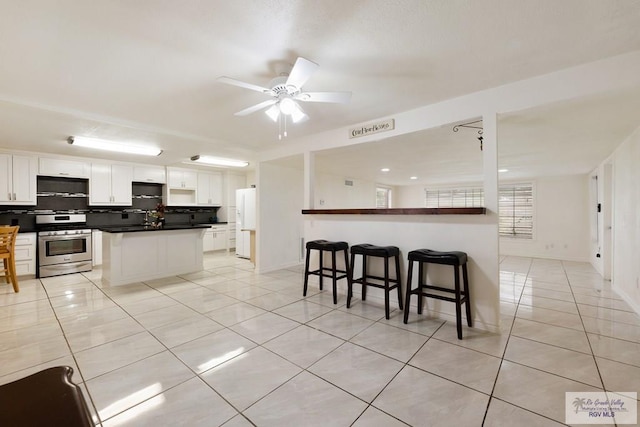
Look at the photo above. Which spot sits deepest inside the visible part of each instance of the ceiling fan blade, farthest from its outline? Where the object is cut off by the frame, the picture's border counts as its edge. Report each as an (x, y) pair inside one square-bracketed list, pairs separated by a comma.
[(301, 71), (255, 108), (234, 82), (333, 97)]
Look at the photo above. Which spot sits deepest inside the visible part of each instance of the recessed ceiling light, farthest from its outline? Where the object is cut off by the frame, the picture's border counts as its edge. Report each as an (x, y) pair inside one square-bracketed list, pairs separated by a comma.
[(503, 170), (414, 177), (385, 170)]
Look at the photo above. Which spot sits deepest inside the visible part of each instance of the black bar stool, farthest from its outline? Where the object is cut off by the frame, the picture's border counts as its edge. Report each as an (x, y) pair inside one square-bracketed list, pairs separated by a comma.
[(386, 252), (455, 259), (333, 247), (46, 398)]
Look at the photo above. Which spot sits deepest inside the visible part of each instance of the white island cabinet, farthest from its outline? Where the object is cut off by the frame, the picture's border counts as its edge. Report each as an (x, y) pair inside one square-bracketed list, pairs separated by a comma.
[(136, 254)]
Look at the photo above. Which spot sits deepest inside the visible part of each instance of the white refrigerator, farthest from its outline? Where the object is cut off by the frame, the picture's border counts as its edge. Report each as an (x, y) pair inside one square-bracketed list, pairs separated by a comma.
[(245, 220)]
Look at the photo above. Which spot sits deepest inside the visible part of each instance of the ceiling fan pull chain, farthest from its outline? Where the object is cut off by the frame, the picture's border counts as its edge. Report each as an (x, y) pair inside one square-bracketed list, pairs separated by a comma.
[(285, 125)]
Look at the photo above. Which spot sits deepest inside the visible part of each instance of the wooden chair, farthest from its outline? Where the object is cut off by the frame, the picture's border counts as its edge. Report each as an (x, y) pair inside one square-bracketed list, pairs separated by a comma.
[(7, 254)]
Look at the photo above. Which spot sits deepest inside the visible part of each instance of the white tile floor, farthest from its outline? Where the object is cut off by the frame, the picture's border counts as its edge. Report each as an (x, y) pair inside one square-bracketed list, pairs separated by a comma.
[(229, 347)]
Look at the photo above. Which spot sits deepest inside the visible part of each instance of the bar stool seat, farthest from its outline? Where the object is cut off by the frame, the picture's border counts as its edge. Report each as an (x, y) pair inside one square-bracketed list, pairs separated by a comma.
[(322, 271), (386, 252), (46, 398), (456, 259)]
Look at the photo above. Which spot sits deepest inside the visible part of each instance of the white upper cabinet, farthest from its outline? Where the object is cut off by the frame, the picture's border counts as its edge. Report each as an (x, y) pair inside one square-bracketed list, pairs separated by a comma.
[(110, 185), (64, 168), (154, 174), (182, 178), (181, 188), (209, 188), (18, 180)]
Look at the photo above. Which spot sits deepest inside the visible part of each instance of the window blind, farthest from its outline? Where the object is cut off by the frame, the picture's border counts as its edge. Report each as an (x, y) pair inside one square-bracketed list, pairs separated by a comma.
[(383, 198), (455, 198), (515, 211), (515, 205)]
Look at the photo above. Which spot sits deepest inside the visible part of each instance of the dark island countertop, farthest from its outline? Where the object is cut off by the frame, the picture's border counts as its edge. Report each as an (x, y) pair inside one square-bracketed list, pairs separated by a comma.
[(140, 228)]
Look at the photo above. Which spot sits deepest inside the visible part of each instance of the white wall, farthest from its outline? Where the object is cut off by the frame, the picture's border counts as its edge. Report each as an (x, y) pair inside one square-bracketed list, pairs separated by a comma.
[(279, 231), (251, 178), (561, 221), (411, 196), (626, 220), (330, 192), (562, 218)]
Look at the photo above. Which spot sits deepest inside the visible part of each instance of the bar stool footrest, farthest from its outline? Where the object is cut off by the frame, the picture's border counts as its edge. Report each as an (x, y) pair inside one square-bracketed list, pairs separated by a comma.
[(393, 283)]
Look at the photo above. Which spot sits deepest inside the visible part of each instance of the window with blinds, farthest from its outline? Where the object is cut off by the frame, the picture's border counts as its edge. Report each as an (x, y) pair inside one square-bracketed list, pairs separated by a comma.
[(383, 197), (515, 205), (455, 198), (515, 210)]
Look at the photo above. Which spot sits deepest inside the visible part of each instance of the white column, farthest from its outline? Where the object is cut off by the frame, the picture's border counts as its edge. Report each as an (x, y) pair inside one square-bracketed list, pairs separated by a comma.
[(309, 179), (492, 242)]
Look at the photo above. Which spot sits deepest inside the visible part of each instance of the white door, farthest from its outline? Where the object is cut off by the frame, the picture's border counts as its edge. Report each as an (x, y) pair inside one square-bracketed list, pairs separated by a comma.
[(607, 219)]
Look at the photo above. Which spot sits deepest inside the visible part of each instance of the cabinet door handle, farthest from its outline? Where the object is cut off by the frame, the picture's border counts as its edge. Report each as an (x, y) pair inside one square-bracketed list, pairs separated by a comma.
[(64, 173), (14, 196), (9, 196)]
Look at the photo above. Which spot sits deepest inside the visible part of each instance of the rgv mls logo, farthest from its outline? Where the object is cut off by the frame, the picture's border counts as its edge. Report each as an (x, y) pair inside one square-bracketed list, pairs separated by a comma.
[(601, 407)]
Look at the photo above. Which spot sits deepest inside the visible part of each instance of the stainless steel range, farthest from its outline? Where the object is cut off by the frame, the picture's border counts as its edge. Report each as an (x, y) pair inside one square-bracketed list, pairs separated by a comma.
[(64, 244)]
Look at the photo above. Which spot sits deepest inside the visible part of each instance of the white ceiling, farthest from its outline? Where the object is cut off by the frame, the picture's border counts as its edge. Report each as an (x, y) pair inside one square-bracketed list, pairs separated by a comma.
[(145, 70)]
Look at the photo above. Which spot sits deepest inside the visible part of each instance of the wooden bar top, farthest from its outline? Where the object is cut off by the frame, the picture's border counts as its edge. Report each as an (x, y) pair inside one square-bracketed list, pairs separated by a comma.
[(398, 211)]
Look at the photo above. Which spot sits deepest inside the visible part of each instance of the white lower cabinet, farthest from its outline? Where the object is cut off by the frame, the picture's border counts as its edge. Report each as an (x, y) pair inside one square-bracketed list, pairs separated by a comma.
[(26, 254), (215, 239), (231, 236)]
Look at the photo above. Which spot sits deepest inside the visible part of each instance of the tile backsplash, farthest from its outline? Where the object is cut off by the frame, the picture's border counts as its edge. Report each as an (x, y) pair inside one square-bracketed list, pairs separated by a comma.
[(70, 195)]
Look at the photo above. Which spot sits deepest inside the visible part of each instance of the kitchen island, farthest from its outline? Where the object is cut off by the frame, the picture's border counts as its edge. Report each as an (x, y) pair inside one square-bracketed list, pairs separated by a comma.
[(138, 253)]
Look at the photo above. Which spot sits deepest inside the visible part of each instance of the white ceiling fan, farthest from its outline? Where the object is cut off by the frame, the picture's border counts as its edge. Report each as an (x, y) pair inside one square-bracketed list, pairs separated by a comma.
[(286, 91)]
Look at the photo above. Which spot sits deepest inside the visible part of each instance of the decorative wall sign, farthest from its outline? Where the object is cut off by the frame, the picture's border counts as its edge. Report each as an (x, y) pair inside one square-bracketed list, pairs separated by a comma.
[(370, 129)]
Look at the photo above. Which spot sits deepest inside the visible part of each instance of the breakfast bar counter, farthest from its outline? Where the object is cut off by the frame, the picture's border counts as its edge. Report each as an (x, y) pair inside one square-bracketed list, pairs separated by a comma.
[(138, 253)]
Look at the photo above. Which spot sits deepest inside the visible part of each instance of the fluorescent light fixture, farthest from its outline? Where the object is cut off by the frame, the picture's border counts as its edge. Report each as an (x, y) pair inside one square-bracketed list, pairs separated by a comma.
[(385, 170), (503, 170), (216, 161), (120, 147), (414, 177)]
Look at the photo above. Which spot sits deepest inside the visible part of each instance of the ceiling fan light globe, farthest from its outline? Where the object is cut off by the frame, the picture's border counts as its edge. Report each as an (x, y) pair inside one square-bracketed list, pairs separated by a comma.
[(297, 115), (273, 112), (287, 106)]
